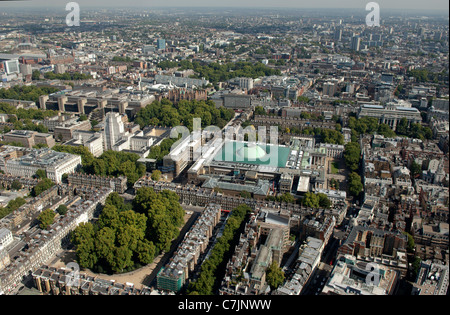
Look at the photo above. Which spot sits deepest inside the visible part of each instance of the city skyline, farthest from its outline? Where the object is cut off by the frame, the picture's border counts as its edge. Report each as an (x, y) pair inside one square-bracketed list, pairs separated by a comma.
[(433, 5), (224, 148)]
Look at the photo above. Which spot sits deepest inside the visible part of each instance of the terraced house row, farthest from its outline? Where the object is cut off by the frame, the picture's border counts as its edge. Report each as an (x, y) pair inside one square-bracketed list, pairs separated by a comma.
[(39, 246)]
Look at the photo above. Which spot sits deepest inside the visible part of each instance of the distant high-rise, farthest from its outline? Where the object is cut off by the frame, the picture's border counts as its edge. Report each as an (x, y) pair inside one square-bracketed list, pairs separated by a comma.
[(246, 83), (148, 49), (421, 31), (59, 69), (338, 34), (356, 43), (437, 36), (25, 69), (11, 66), (329, 89), (376, 37), (114, 129), (161, 44)]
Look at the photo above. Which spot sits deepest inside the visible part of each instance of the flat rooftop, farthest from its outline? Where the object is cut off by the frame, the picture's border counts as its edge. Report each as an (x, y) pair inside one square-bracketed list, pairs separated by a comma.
[(253, 153)]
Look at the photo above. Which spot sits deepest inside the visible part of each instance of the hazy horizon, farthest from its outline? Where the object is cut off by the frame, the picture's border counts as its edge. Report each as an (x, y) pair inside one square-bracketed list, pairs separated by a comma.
[(414, 5)]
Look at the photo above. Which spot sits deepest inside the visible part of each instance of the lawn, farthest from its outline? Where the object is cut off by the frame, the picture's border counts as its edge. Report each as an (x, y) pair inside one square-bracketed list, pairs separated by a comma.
[(334, 168)]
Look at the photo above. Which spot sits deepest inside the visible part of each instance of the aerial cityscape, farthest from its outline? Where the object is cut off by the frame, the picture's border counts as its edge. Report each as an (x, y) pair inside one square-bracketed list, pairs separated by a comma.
[(247, 149)]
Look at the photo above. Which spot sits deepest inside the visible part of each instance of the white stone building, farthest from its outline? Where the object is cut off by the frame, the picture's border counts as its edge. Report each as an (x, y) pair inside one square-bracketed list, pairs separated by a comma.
[(54, 163)]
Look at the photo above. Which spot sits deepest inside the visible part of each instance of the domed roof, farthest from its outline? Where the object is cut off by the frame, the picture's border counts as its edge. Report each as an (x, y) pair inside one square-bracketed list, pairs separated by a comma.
[(252, 152)]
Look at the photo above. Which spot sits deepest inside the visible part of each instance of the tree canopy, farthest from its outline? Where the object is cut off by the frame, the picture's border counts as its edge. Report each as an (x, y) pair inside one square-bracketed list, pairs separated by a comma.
[(123, 239), (165, 113), (259, 110), (22, 119), (62, 209), (26, 93), (158, 152), (352, 155), (41, 174), (46, 218), (164, 213), (110, 163), (156, 175), (215, 72), (316, 201), (416, 169), (274, 275), (369, 125), (12, 206), (285, 197), (414, 130), (42, 186), (355, 184), (67, 76), (16, 185), (29, 113), (326, 135), (425, 75)]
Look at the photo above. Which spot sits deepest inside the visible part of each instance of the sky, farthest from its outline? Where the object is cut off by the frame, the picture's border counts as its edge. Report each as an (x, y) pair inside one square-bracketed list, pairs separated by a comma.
[(438, 5)]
